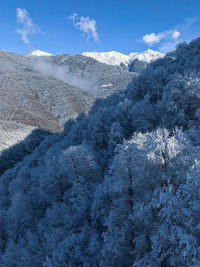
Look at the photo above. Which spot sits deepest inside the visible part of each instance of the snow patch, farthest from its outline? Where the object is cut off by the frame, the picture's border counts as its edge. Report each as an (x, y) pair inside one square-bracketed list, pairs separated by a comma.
[(106, 85)]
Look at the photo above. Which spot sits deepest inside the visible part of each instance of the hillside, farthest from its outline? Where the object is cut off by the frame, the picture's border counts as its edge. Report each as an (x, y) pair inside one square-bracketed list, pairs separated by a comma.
[(28, 93), (120, 185), (39, 95), (105, 79), (29, 97)]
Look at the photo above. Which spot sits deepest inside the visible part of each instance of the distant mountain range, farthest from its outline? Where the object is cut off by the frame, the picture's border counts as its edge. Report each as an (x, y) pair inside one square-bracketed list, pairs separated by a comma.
[(116, 58), (135, 62)]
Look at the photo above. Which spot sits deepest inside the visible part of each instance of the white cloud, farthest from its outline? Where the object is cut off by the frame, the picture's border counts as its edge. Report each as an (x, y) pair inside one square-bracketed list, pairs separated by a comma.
[(167, 40), (176, 34), (186, 31), (87, 82), (85, 25), (151, 38), (154, 38), (28, 27)]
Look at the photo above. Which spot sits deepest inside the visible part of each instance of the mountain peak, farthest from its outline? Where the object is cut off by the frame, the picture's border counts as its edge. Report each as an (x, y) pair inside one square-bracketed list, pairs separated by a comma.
[(39, 53), (149, 50), (147, 56)]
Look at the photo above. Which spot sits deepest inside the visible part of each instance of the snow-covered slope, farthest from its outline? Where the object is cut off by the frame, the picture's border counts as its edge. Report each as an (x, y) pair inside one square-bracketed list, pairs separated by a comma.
[(39, 53), (116, 58), (147, 56), (111, 58)]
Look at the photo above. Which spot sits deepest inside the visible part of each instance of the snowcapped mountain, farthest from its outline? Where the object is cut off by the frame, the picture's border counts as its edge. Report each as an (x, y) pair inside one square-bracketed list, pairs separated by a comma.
[(39, 93), (111, 58), (39, 53), (147, 56), (116, 58)]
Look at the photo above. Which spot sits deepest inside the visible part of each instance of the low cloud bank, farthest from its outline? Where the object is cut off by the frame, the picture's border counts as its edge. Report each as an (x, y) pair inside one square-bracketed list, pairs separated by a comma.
[(87, 82)]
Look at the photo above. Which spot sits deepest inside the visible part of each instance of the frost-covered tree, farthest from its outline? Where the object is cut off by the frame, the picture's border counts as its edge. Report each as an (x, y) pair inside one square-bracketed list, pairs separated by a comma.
[(163, 217), (147, 197), (118, 234)]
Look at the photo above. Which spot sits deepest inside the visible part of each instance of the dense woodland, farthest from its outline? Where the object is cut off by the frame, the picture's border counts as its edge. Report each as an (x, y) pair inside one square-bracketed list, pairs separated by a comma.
[(119, 186)]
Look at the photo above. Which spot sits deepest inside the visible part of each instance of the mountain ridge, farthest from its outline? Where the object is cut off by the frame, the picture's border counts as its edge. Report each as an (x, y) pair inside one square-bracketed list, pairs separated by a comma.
[(113, 57), (116, 58)]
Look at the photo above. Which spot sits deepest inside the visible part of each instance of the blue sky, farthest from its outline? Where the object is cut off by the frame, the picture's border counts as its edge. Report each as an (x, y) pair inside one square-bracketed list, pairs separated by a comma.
[(66, 26)]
